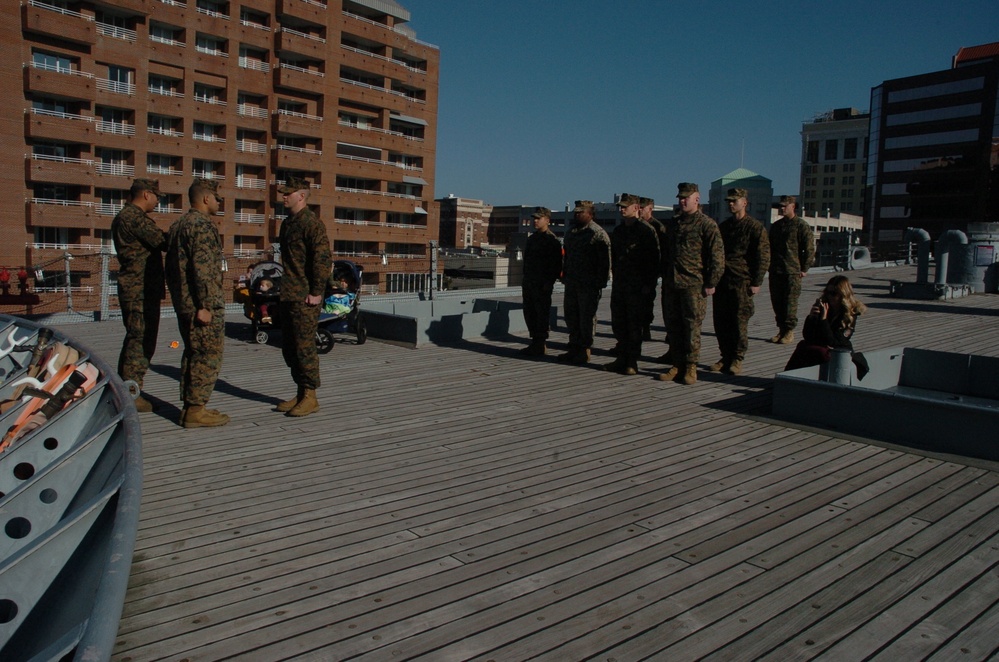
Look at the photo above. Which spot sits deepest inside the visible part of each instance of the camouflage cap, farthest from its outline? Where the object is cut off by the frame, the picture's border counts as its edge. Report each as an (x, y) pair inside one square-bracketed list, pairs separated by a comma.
[(542, 212), (736, 193), (686, 189), (294, 184), (583, 205), (152, 185), (788, 200), (627, 199), (646, 202)]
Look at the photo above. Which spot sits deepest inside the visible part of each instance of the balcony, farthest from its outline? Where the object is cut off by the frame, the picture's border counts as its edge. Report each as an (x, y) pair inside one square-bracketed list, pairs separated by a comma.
[(115, 87), (254, 65), (143, 7), (256, 112), (108, 30), (298, 78), (297, 124), (310, 11), (52, 21), (54, 125), (295, 158), (116, 128), (253, 219), (47, 80), (45, 212), (60, 170), (250, 183), (293, 41)]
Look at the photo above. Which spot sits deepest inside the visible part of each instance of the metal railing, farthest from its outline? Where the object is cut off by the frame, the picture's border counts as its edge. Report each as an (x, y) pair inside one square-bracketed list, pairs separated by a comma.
[(361, 51), (379, 130), (250, 183), (212, 101), (244, 217), (115, 169), (394, 164), (204, 174), (115, 86), (211, 51), (256, 65), (207, 138), (404, 196), (386, 27), (166, 92), (300, 150), (165, 132), (61, 159), (59, 10), (251, 24), (60, 70), (292, 67), (303, 35), (251, 111), (118, 128), (254, 148), (167, 41), (161, 170), (109, 30), (61, 203), (292, 113), (213, 14)]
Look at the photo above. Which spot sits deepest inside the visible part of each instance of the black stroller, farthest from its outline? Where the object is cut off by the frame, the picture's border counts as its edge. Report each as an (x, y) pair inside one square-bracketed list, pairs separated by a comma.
[(341, 311), (260, 295)]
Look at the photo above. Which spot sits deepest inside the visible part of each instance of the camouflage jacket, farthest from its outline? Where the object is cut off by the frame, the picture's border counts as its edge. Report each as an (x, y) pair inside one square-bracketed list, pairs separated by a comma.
[(747, 252), (140, 245), (305, 255), (635, 256), (194, 264), (542, 258), (587, 256), (693, 254), (792, 246)]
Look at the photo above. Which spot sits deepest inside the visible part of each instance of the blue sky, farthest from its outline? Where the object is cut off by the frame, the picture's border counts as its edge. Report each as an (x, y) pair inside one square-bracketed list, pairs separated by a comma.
[(545, 102)]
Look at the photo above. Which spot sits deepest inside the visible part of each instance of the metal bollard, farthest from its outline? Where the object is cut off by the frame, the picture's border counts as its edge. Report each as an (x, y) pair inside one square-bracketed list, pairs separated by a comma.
[(838, 371)]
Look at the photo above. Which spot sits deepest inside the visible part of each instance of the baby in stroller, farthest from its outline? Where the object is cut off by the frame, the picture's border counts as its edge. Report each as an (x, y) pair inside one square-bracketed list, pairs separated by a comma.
[(339, 298)]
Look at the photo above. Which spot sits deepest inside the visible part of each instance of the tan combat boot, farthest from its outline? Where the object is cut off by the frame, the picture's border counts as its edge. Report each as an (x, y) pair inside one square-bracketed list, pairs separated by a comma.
[(288, 405), (196, 416), (307, 405), (143, 406), (787, 337), (669, 375), (718, 366), (734, 368), (690, 376), (776, 339)]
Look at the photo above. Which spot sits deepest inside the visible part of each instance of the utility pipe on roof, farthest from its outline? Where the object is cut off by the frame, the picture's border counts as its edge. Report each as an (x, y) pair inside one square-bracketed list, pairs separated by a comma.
[(923, 257), (944, 243)]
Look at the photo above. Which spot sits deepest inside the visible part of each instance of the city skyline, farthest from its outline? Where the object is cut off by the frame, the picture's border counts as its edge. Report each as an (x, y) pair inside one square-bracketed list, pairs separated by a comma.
[(543, 104)]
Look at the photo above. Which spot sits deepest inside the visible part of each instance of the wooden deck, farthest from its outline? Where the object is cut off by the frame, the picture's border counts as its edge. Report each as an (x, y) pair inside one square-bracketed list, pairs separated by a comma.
[(457, 503)]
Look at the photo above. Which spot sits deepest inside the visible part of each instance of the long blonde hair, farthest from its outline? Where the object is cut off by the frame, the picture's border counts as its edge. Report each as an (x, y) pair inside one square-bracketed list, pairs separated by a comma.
[(850, 306)]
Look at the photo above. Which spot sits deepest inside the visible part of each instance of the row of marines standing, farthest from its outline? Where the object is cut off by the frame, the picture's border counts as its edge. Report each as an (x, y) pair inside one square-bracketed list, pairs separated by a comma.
[(696, 257)]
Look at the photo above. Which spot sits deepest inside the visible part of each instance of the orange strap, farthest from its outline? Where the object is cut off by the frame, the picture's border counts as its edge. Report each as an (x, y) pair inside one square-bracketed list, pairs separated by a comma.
[(51, 386)]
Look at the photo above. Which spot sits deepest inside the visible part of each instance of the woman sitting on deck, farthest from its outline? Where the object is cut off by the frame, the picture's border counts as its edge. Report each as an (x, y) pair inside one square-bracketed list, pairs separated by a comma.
[(830, 325)]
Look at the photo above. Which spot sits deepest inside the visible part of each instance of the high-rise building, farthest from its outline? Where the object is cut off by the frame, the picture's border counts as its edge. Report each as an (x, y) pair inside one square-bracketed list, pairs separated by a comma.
[(338, 92), (933, 162), (833, 160)]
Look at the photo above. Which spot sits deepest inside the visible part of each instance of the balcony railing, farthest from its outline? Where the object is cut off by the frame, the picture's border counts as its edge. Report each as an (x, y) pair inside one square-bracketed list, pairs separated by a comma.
[(314, 3), (394, 164), (405, 226), (60, 115), (166, 40), (252, 147), (214, 101), (292, 113), (251, 111), (300, 150), (251, 24), (166, 92), (174, 3), (361, 51), (213, 14), (167, 209), (385, 27), (256, 65), (204, 174), (60, 70), (364, 191), (61, 159), (59, 10), (38, 245), (162, 170), (208, 138), (304, 35), (292, 67), (109, 30), (115, 169), (117, 128), (61, 203), (164, 132), (378, 130), (115, 86), (211, 51), (243, 217), (250, 183)]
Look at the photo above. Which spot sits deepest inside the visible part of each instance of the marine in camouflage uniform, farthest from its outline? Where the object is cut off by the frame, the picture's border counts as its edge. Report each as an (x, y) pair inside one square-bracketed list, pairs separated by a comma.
[(635, 265), (693, 262), (542, 267), (647, 206), (139, 245), (585, 271), (194, 275), (792, 250), (747, 256), (307, 261)]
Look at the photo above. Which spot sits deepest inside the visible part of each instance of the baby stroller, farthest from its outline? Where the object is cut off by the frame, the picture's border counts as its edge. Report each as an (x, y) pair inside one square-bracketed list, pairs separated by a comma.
[(259, 292), (341, 307)]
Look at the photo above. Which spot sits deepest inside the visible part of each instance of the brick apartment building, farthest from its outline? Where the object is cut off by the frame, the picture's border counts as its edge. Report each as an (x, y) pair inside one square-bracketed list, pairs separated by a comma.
[(248, 92)]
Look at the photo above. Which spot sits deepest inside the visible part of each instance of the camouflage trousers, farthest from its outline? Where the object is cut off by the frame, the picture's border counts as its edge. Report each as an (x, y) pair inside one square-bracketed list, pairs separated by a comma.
[(537, 308), (784, 292), (685, 311), (202, 360), (298, 342), (629, 314), (580, 311), (650, 308), (142, 326), (733, 306)]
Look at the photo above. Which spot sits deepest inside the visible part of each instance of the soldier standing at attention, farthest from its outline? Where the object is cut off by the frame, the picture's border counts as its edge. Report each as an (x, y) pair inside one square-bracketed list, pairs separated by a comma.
[(585, 272), (635, 263), (140, 245), (693, 262), (747, 257), (647, 206), (542, 267), (194, 274), (308, 262), (792, 249)]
